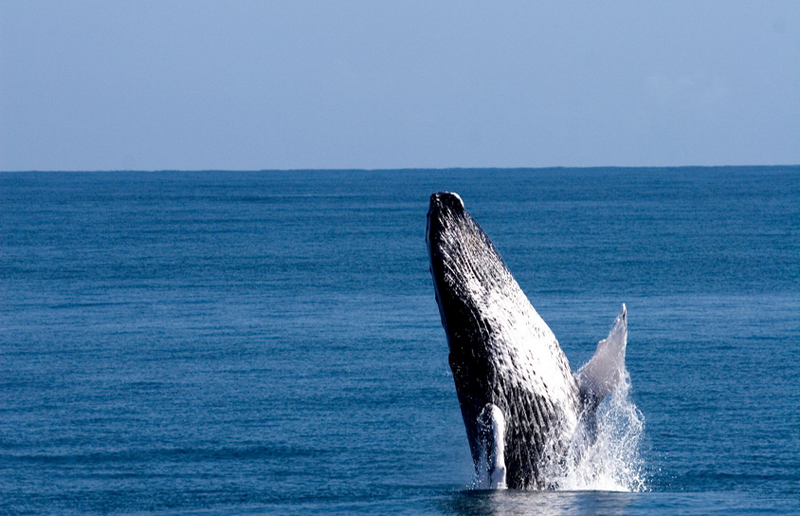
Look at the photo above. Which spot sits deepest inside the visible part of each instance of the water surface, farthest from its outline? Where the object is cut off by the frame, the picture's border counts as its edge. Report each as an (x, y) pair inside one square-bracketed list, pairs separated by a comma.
[(228, 343)]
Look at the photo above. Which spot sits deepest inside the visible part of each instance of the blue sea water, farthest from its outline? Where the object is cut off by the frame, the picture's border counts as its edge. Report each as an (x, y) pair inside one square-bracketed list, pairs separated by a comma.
[(268, 342)]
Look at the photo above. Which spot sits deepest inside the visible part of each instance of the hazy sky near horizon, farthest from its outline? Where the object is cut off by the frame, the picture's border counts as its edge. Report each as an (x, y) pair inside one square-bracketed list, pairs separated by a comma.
[(151, 85)]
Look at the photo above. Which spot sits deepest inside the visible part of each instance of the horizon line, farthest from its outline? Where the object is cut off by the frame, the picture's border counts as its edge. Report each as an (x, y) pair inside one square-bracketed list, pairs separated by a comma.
[(399, 169)]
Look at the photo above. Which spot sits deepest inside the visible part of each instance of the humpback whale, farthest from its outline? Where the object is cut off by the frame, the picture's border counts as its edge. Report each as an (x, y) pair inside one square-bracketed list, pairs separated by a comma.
[(527, 415)]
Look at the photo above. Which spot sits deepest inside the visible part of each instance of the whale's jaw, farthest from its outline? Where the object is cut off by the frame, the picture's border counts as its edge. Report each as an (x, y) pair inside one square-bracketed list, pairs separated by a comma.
[(502, 354)]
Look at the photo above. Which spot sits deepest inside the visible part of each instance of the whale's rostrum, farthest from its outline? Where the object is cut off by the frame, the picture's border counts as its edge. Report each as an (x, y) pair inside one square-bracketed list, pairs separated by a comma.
[(523, 408)]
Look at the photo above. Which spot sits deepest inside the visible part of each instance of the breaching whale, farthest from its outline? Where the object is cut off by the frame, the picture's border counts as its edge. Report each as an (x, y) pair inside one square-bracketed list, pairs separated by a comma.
[(525, 411)]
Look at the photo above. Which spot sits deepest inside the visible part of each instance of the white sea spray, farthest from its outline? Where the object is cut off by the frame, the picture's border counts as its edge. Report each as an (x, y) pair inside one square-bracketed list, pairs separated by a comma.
[(613, 462)]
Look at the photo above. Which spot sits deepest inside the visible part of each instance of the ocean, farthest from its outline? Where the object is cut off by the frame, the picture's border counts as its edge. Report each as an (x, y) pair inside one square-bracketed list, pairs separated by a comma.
[(269, 343)]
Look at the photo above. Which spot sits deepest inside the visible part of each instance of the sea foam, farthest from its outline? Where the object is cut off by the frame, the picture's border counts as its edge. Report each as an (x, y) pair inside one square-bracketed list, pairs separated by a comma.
[(613, 462)]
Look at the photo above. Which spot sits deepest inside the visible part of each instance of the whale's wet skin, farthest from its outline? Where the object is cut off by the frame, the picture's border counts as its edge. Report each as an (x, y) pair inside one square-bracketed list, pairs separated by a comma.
[(529, 418)]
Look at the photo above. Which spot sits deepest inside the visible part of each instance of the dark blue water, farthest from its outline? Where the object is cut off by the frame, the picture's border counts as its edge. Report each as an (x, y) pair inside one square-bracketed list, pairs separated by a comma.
[(228, 343)]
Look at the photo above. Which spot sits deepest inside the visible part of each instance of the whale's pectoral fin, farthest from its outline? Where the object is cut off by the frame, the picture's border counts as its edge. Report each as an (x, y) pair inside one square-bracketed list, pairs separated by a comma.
[(492, 464), (603, 372)]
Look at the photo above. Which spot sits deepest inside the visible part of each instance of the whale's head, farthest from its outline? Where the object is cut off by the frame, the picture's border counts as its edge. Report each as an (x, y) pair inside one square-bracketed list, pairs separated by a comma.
[(465, 267), (485, 314), (470, 282)]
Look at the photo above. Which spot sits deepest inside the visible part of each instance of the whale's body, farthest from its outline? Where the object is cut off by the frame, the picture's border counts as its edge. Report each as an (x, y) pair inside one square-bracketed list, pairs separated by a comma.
[(523, 408)]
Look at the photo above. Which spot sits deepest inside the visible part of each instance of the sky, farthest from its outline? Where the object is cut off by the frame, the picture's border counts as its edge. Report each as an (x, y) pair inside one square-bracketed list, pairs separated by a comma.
[(251, 85)]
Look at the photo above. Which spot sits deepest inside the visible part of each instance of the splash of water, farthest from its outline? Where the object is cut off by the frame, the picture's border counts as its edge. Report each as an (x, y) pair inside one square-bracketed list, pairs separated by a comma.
[(613, 461)]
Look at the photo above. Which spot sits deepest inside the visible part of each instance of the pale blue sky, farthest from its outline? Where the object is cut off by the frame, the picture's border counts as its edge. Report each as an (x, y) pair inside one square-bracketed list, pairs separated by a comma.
[(381, 84)]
